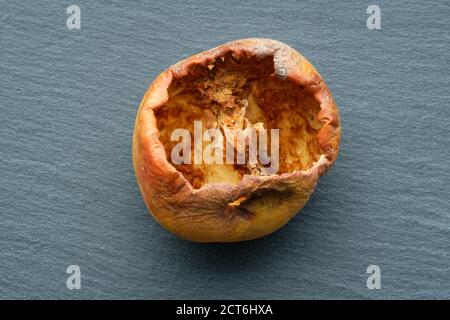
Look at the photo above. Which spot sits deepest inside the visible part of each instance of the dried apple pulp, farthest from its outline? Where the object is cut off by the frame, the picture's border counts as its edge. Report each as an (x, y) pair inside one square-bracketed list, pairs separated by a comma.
[(239, 93)]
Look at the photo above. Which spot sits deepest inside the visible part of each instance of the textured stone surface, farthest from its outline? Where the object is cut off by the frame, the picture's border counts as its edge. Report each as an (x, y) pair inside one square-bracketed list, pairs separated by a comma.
[(67, 189)]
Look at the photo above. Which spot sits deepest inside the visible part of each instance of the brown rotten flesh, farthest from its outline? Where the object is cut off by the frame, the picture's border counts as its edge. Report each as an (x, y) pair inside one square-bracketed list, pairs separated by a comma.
[(250, 83)]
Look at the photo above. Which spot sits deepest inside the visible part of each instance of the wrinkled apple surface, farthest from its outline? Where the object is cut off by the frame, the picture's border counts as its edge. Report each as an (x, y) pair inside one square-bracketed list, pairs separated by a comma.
[(250, 83)]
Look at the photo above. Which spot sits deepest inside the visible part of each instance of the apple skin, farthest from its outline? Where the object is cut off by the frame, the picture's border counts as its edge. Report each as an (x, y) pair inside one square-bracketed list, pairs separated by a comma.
[(257, 205)]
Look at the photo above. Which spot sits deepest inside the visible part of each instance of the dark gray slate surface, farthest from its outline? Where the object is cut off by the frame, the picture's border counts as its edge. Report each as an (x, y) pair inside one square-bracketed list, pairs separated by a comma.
[(67, 189)]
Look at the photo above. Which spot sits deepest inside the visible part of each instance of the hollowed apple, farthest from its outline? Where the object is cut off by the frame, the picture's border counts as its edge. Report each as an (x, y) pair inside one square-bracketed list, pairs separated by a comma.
[(250, 83)]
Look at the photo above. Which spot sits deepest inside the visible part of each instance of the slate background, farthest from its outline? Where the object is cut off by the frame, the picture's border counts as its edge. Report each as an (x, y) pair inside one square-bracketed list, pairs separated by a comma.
[(67, 189)]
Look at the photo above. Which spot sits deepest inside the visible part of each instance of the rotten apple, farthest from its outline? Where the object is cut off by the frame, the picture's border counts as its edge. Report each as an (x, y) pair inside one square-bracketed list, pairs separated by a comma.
[(249, 86)]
